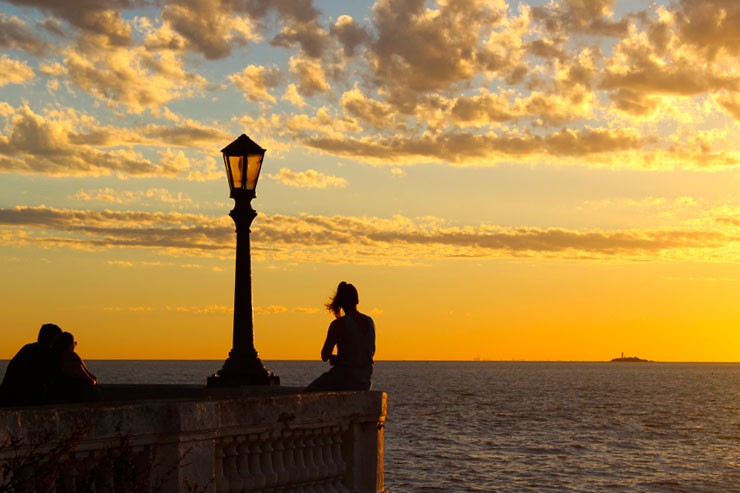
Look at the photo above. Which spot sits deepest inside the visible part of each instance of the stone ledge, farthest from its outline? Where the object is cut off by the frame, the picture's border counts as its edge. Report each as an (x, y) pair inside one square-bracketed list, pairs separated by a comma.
[(219, 426)]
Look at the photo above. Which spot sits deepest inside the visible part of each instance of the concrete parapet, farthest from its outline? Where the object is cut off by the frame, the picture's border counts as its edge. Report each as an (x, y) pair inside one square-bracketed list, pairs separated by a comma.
[(189, 438)]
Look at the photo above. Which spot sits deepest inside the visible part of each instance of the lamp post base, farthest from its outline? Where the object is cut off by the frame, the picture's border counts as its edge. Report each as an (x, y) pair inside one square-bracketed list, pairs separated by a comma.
[(239, 371)]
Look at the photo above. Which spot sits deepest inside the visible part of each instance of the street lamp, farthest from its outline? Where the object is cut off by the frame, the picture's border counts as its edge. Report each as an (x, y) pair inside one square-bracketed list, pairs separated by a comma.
[(243, 160)]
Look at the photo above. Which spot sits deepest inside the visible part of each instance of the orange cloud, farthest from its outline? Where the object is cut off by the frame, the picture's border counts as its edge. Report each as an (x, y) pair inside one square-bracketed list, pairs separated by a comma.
[(307, 179), (212, 30), (256, 81), (350, 34), (591, 17), (710, 25), (310, 76), (354, 239), (468, 148), (133, 77), (99, 20), (425, 49), (14, 71), (15, 34), (63, 142)]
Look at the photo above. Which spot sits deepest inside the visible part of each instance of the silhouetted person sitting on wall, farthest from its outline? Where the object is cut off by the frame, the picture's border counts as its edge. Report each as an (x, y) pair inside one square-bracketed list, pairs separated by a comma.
[(73, 382), (354, 336), (28, 375)]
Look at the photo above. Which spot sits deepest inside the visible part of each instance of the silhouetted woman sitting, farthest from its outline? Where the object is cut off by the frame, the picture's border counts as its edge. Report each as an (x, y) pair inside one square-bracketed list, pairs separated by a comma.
[(354, 336), (74, 381)]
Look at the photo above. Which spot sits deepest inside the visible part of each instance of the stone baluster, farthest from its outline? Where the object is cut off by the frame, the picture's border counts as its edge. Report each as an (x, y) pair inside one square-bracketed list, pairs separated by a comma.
[(289, 457), (231, 467), (255, 465), (266, 461), (322, 468), (336, 449), (242, 463), (326, 440), (222, 484), (293, 461), (313, 462), (339, 466), (302, 470), (324, 450), (278, 460), (328, 460), (309, 456), (236, 482)]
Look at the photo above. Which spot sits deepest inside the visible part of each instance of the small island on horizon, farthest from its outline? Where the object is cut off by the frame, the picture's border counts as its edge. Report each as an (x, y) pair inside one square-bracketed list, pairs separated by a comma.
[(630, 359)]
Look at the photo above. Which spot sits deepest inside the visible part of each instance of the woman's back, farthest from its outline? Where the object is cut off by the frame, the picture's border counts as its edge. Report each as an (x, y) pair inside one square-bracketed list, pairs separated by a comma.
[(354, 337), (355, 340)]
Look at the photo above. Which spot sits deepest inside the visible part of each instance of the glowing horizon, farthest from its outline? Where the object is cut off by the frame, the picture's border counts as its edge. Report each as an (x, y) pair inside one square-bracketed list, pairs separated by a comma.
[(524, 181)]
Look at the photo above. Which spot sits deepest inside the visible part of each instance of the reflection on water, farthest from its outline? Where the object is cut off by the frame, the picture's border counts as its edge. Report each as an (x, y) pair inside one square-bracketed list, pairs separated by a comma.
[(484, 426), (487, 426)]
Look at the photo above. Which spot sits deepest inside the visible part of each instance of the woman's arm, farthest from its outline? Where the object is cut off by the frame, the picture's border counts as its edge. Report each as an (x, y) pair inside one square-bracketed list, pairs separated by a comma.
[(72, 366), (331, 341), (372, 329), (89, 373)]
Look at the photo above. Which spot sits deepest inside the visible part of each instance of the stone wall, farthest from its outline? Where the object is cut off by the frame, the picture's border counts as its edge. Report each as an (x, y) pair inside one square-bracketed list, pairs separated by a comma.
[(188, 438)]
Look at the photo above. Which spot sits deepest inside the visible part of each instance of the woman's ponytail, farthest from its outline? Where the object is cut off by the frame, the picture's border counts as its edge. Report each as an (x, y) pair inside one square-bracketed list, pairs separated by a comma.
[(345, 297)]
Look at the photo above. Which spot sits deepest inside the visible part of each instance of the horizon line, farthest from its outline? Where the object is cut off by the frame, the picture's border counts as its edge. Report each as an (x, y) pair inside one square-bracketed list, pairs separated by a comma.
[(411, 360)]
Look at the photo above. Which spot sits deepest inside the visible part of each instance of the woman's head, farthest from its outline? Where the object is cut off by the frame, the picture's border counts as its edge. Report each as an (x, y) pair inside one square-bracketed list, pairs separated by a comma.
[(64, 342), (345, 298)]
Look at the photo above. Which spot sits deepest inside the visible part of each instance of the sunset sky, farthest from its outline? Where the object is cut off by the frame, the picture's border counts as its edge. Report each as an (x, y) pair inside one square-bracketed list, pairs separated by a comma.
[(500, 180)]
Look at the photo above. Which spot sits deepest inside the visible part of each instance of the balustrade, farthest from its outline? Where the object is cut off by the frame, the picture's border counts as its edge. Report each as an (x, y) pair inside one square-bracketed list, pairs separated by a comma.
[(288, 443), (291, 459)]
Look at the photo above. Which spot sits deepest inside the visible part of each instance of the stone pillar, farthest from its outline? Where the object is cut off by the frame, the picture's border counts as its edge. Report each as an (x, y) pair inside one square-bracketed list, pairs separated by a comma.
[(363, 447)]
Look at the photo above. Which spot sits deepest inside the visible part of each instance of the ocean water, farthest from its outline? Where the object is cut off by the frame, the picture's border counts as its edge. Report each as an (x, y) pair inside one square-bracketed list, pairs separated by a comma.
[(514, 426)]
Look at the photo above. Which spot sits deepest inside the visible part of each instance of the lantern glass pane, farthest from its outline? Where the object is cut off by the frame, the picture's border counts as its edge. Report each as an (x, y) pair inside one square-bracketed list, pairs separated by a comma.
[(236, 167), (228, 171), (254, 163)]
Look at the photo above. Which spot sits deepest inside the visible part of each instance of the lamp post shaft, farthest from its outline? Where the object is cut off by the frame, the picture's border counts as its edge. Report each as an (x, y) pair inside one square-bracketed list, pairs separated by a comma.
[(243, 342), (243, 366)]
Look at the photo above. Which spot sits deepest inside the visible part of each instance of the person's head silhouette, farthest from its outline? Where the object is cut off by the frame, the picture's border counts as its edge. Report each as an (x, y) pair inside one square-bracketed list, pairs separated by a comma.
[(345, 298), (64, 342), (48, 333)]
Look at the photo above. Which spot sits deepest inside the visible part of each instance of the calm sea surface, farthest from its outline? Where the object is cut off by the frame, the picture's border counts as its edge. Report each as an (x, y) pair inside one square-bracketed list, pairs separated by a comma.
[(489, 426)]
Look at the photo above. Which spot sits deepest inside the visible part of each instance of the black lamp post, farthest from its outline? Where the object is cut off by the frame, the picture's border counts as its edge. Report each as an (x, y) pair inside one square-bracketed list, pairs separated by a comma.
[(243, 159)]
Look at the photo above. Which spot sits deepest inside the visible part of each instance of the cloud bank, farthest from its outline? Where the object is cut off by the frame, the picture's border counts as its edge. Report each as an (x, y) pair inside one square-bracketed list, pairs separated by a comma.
[(341, 239), (465, 83)]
